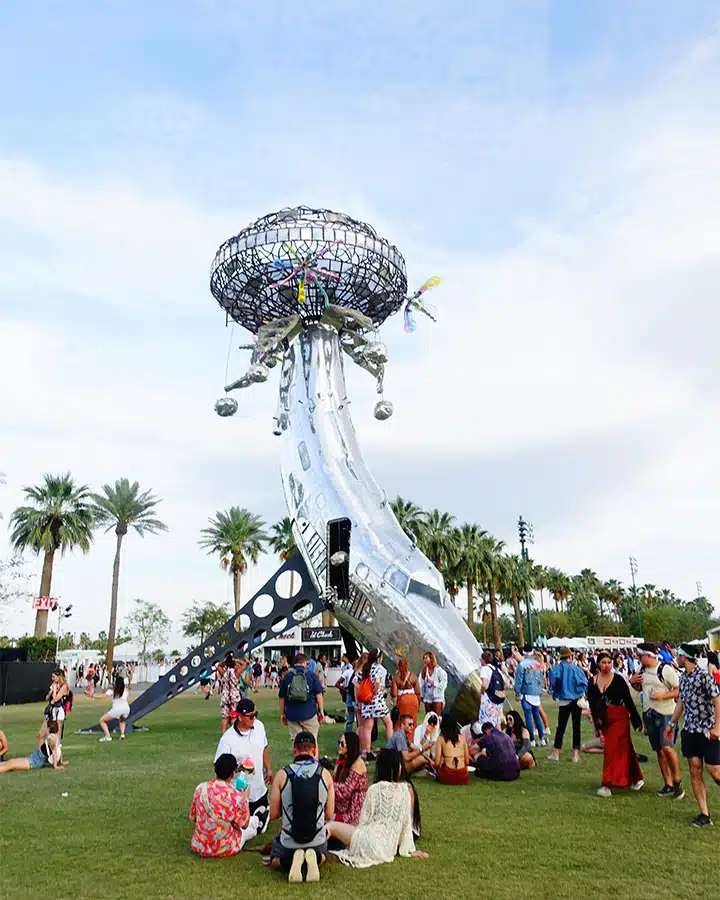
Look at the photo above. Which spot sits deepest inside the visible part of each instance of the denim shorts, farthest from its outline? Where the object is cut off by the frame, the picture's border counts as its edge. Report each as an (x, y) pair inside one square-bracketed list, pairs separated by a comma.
[(37, 759), (655, 725)]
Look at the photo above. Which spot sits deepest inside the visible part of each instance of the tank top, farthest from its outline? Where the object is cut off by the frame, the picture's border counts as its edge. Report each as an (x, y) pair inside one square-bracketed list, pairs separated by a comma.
[(306, 768)]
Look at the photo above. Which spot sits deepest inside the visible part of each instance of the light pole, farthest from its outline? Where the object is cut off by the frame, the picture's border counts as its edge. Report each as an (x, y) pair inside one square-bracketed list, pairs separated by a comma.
[(633, 573), (525, 533), (63, 613)]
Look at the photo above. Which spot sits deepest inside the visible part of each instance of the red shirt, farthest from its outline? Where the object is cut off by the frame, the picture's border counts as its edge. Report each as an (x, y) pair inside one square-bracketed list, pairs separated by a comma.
[(219, 819)]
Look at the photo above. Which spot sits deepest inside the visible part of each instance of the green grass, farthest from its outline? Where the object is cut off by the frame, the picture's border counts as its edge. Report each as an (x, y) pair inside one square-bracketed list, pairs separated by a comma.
[(123, 831)]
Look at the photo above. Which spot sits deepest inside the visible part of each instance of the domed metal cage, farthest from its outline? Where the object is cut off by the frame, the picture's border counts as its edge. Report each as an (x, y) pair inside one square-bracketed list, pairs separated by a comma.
[(368, 273)]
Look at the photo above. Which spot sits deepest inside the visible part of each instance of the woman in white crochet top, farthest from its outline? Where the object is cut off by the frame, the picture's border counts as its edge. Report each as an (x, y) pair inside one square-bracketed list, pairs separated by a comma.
[(386, 821)]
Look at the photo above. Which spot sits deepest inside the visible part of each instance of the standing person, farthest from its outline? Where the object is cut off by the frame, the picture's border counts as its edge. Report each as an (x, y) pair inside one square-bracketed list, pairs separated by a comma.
[(274, 679), (385, 828), (433, 684), (493, 691), (303, 794), (665, 653), (229, 689), (301, 699), (90, 689), (247, 739), (243, 673), (350, 779), (613, 710), (699, 704), (79, 675), (57, 698), (344, 685), (206, 683), (568, 684), (257, 671), (120, 709), (405, 691), (452, 756), (48, 753), (321, 670), (370, 692), (659, 683), (220, 812), (529, 681)]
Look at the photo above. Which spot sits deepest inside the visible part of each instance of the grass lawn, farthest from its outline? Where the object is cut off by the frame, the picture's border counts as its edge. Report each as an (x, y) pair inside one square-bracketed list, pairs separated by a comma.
[(123, 829)]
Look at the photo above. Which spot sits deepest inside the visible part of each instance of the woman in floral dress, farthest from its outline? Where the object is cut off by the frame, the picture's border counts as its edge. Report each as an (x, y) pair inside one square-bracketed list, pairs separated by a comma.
[(229, 690)]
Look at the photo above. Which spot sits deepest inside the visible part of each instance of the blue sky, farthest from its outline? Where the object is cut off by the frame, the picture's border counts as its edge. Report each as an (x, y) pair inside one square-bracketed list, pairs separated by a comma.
[(556, 165)]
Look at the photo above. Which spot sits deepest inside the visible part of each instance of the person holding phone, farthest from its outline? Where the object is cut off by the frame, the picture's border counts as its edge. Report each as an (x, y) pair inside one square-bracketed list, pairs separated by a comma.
[(699, 704)]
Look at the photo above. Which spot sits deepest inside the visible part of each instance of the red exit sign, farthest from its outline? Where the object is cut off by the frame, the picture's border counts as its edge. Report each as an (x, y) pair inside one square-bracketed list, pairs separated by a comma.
[(45, 603)]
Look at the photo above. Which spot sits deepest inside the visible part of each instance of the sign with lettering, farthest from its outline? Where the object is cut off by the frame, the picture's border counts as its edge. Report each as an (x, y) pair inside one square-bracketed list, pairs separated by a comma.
[(316, 635), (45, 603)]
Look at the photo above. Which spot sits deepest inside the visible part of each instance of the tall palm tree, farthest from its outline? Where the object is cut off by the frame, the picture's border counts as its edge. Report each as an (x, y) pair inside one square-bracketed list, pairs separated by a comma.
[(488, 574), (59, 517), (237, 537), (121, 507), (540, 581), (516, 582), (613, 593), (468, 539), (437, 539), (559, 585), (408, 515)]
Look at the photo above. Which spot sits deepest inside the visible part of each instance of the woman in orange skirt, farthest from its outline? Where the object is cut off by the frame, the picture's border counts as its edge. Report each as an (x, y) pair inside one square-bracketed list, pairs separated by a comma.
[(405, 691)]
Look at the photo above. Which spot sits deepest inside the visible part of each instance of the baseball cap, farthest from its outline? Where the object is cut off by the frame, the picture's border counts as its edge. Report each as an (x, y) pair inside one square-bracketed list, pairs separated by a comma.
[(304, 738), (245, 706)]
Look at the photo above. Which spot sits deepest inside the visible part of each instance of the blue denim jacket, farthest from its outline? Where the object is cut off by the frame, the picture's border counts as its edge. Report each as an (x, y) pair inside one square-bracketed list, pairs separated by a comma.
[(529, 677), (567, 682)]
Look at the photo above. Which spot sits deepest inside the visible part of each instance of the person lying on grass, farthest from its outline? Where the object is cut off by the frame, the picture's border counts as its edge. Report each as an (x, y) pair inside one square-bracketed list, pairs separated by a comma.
[(48, 753)]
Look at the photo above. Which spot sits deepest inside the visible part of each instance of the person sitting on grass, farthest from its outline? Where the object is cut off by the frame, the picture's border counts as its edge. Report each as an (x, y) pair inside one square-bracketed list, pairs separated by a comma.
[(415, 757), (48, 753), (497, 759), (303, 794), (3, 746), (515, 727), (350, 779), (220, 812), (452, 756), (386, 822)]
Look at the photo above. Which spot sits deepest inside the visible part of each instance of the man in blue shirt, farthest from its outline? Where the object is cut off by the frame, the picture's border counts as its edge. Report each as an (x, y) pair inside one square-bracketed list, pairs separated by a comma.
[(301, 699)]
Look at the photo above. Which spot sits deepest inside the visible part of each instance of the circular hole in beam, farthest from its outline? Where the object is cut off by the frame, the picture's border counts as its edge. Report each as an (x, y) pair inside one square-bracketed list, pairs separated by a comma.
[(263, 606), (279, 625), (288, 584)]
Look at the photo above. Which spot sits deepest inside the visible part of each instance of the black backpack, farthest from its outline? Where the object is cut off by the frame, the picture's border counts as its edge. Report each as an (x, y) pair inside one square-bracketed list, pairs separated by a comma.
[(298, 691), (496, 687), (306, 814)]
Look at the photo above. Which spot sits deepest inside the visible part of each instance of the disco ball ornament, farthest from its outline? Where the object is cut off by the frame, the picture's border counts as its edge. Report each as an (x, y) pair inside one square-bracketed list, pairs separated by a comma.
[(258, 373), (226, 406), (339, 558), (376, 354), (383, 410)]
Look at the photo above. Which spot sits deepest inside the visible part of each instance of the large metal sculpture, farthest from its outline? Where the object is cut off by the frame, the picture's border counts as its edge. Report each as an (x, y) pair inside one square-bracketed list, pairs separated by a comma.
[(313, 285)]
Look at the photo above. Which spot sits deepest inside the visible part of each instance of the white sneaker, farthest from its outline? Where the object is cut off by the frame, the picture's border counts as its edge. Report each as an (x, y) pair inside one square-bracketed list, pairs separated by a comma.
[(313, 871), (604, 792), (638, 786), (554, 758), (533, 744), (542, 742), (295, 875), (576, 759), (104, 740)]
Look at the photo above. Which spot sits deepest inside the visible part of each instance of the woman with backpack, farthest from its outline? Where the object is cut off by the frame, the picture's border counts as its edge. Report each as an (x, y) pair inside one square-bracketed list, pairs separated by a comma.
[(370, 694), (120, 709), (58, 699)]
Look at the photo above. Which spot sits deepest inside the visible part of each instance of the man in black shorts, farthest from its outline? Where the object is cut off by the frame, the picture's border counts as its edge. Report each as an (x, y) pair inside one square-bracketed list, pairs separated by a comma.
[(699, 703)]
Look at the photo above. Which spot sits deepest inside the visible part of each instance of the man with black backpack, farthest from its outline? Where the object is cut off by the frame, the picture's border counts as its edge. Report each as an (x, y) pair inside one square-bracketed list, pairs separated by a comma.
[(493, 695), (301, 699), (303, 797)]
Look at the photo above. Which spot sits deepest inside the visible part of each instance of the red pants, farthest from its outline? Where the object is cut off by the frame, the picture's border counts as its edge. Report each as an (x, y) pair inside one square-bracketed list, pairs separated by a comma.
[(620, 764)]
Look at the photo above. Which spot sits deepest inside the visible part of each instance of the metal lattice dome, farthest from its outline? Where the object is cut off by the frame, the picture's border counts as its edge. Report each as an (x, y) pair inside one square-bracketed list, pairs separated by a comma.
[(344, 260)]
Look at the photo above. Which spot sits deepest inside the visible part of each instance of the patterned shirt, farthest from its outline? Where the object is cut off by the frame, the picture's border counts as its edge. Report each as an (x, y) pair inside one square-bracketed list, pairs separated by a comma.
[(697, 690), (219, 820)]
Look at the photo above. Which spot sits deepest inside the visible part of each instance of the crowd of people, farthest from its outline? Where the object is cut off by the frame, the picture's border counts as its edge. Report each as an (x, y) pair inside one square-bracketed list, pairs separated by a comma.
[(329, 807)]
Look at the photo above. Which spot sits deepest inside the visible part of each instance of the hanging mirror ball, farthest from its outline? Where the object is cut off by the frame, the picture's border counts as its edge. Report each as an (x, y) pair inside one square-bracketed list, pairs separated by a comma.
[(383, 410), (226, 406)]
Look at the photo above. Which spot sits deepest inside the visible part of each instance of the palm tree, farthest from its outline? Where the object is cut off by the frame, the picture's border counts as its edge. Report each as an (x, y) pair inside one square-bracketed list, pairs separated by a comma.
[(559, 586), (613, 593), (438, 539), (468, 539), (516, 582), (540, 581), (408, 515), (121, 507), (488, 573), (59, 517), (237, 537)]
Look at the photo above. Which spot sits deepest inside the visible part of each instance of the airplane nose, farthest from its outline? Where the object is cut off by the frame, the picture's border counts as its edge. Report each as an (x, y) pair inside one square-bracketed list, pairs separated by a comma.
[(467, 700)]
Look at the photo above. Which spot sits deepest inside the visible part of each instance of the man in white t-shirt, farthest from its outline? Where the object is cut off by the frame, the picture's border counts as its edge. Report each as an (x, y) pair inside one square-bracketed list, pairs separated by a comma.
[(659, 683), (247, 738)]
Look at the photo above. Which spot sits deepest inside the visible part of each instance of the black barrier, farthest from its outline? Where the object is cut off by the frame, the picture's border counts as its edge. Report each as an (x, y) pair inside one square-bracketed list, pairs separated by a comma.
[(24, 682), (13, 654)]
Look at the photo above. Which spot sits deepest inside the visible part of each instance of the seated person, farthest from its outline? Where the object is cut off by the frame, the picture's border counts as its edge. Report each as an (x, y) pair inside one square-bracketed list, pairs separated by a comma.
[(3, 746), (497, 759), (386, 821), (472, 734), (452, 756), (302, 794), (48, 753), (520, 736), (220, 813), (414, 757), (428, 730), (350, 779)]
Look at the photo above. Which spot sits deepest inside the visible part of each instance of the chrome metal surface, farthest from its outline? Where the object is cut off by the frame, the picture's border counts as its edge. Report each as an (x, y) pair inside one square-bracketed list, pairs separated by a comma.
[(396, 599)]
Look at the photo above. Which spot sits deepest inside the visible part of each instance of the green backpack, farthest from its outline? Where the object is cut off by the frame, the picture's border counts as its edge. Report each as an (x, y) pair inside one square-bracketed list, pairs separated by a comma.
[(298, 691)]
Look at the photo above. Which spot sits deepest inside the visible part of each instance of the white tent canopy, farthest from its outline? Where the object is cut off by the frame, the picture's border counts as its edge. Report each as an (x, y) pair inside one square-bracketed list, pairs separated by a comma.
[(574, 643)]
